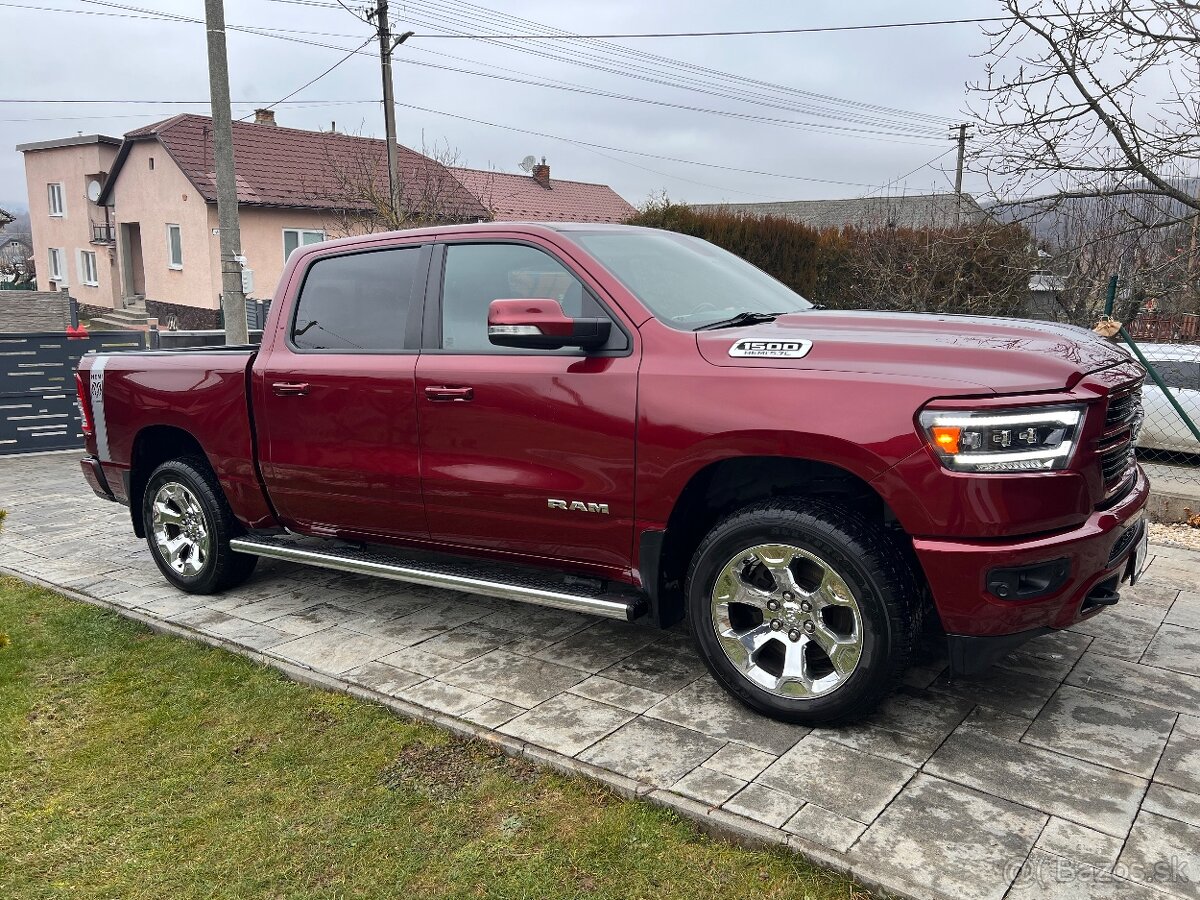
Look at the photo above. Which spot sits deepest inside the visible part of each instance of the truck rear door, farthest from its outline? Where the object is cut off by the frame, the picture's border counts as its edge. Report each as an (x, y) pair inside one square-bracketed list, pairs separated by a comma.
[(335, 396), (524, 451)]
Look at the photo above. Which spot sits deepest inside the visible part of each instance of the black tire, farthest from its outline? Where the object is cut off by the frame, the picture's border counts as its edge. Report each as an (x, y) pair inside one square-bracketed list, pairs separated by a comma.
[(222, 568), (866, 559)]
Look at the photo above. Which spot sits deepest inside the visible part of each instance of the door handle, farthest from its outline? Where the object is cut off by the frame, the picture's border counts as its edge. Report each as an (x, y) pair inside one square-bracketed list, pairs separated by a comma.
[(444, 394), (289, 388)]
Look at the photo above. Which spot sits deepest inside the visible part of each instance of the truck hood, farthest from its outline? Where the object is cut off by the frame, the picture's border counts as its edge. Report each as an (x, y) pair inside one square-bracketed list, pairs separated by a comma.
[(995, 355)]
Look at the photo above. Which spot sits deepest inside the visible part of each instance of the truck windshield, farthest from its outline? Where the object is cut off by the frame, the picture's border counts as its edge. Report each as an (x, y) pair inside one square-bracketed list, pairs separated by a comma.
[(687, 282)]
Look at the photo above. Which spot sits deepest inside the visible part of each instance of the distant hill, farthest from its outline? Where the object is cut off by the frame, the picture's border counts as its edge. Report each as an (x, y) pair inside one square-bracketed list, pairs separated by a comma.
[(1049, 223)]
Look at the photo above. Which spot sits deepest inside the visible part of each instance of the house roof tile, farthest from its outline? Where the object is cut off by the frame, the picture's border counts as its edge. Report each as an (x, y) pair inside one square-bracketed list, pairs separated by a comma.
[(308, 169), (522, 198)]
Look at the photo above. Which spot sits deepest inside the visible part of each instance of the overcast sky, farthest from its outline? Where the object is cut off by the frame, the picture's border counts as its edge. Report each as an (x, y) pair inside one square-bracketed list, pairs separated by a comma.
[(92, 54)]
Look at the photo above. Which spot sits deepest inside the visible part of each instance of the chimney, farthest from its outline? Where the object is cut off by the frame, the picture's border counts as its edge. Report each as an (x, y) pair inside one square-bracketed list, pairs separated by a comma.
[(264, 117), (541, 174)]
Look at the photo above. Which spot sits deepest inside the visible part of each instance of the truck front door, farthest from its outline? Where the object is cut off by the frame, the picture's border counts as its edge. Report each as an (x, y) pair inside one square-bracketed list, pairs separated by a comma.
[(524, 451), (335, 397)]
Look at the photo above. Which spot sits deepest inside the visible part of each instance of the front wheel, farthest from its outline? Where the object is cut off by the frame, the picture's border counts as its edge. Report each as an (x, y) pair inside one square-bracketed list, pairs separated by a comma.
[(803, 610), (188, 524)]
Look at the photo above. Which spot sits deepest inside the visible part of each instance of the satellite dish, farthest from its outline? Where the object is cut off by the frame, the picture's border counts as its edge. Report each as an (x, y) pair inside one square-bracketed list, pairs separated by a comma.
[(94, 190), (528, 163)]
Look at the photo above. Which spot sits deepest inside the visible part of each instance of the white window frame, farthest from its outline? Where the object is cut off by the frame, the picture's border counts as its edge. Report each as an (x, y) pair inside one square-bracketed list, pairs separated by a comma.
[(58, 266), (300, 233), (56, 200), (172, 262), (85, 270)]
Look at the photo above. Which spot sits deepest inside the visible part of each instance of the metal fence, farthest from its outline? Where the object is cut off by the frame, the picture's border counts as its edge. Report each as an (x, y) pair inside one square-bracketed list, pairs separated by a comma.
[(38, 405), (1167, 445)]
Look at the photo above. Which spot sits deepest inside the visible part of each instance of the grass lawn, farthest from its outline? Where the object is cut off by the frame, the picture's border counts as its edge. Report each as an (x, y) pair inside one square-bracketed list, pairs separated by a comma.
[(138, 765)]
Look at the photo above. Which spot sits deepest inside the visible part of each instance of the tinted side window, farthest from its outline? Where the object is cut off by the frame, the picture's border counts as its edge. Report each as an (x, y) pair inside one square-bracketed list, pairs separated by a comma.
[(1177, 373), (358, 302), (477, 274)]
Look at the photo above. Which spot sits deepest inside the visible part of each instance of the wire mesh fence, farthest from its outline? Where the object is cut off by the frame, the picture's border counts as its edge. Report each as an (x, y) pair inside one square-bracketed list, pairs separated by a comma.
[(1167, 447)]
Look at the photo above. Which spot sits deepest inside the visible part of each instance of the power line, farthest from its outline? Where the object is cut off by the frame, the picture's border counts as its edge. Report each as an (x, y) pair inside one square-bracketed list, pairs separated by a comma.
[(313, 81), (862, 133), (724, 85), (875, 26), (660, 62)]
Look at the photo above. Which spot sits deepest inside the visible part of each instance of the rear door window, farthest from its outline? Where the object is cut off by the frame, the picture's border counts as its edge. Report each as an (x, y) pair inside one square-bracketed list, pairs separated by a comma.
[(360, 301)]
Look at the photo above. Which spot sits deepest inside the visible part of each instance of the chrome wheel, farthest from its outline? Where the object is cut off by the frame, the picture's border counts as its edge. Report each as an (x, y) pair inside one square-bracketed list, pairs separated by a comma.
[(180, 529), (787, 620)]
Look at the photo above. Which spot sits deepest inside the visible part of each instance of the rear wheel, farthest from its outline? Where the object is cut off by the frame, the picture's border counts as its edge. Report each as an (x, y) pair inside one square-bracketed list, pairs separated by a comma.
[(188, 525), (803, 610)]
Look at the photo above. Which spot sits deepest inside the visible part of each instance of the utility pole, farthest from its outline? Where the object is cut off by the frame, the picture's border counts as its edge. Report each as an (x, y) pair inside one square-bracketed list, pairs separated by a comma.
[(958, 172), (233, 301), (386, 45)]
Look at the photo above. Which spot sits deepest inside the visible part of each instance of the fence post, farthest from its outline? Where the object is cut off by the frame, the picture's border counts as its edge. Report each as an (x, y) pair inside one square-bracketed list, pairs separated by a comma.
[(74, 305), (153, 340), (1111, 297)]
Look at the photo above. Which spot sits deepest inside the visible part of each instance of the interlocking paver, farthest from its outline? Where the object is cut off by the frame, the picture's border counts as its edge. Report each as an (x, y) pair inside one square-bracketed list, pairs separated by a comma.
[(567, 723), (1175, 648), (828, 829), (952, 839), (1047, 875), (851, 783), (1170, 690), (651, 750), (1164, 853), (740, 761), (708, 786), (1041, 779), (1185, 611), (1116, 732), (705, 707), (1180, 764), (1077, 842), (763, 804), (945, 789), (334, 650), (1173, 803), (520, 680)]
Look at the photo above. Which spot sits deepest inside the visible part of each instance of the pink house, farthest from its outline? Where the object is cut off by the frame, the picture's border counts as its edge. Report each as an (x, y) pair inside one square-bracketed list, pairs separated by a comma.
[(131, 224)]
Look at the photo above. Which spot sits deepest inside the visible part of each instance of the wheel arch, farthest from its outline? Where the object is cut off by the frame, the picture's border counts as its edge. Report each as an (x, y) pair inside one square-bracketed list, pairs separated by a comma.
[(152, 446), (722, 486)]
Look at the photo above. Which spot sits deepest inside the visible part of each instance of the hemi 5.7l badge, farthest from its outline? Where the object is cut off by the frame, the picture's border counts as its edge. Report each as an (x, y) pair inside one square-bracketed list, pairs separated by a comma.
[(770, 349)]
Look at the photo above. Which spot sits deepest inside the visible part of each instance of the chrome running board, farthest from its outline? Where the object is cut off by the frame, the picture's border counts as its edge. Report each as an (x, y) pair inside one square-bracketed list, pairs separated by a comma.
[(508, 582)]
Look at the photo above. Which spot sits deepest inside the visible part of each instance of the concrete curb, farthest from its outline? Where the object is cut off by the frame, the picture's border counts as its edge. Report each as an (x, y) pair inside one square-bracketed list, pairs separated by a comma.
[(719, 823)]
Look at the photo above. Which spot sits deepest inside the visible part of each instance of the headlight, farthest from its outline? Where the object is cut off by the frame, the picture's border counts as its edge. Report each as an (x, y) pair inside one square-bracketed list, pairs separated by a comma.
[(1033, 439)]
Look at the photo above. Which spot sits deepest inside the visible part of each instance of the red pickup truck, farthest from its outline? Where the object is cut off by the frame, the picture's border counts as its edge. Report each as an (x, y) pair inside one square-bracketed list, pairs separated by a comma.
[(637, 424)]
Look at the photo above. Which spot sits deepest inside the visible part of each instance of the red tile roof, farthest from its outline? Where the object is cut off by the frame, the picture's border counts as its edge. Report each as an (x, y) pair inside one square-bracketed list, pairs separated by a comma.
[(523, 198), (310, 169)]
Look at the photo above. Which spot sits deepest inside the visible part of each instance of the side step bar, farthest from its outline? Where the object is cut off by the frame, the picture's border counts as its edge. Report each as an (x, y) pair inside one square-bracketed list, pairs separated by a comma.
[(508, 582)]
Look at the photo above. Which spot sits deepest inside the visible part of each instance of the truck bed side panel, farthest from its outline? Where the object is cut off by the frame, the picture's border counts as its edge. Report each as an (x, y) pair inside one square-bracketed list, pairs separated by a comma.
[(201, 393)]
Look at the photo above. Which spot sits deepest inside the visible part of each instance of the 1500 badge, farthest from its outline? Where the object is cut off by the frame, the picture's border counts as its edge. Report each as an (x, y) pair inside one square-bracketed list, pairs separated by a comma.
[(770, 349)]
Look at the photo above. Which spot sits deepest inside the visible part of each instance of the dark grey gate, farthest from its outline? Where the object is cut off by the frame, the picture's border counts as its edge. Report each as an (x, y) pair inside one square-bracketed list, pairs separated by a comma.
[(38, 407)]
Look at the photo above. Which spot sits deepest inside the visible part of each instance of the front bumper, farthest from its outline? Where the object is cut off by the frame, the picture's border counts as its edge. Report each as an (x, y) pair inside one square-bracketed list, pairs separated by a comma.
[(958, 574)]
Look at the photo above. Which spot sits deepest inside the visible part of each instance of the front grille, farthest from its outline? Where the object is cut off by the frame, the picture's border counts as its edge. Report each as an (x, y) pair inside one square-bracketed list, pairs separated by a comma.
[(1123, 408), (1116, 450)]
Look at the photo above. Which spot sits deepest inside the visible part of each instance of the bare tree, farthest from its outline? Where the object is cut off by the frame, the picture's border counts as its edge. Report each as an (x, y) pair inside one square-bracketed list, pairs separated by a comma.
[(354, 192), (1093, 98)]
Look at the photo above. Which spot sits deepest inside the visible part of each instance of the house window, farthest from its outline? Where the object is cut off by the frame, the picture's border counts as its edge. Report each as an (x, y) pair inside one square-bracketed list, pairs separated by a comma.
[(299, 237), (54, 199), (87, 268), (58, 269), (174, 247)]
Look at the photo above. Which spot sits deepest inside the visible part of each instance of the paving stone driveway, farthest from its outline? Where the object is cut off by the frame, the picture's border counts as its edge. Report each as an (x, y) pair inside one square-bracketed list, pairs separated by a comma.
[(1073, 770)]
